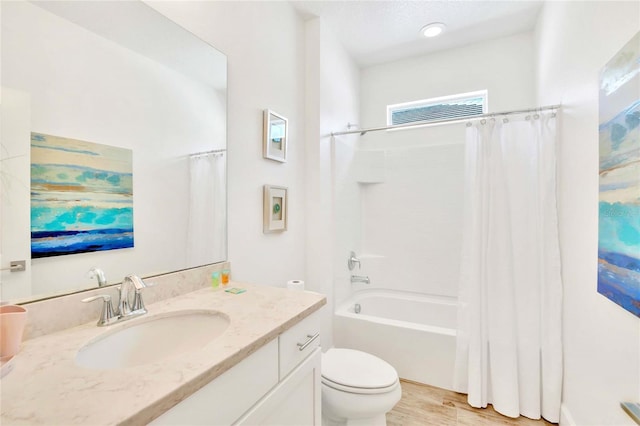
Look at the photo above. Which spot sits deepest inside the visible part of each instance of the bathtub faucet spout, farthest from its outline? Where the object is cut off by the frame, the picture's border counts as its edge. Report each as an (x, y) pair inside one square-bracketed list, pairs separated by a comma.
[(359, 279)]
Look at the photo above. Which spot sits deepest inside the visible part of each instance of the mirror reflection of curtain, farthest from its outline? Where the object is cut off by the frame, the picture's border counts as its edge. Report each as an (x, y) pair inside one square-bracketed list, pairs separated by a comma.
[(207, 208)]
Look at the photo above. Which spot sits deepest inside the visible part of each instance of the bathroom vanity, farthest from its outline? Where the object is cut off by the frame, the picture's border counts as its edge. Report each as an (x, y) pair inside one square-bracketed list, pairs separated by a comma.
[(263, 369), (85, 81), (279, 384)]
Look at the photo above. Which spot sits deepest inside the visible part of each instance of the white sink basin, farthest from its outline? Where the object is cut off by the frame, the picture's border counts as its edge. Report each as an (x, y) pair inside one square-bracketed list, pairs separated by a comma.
[(150, 339)]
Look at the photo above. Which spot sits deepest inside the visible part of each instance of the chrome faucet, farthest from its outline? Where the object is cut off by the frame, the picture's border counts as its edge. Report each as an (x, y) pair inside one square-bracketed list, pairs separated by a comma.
[(98, 273), (125, 309), (359, 279), (131, 282), (353, 261)]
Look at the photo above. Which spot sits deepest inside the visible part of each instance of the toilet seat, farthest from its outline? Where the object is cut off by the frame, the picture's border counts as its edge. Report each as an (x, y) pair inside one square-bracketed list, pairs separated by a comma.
[(359, 391), (357, 372)]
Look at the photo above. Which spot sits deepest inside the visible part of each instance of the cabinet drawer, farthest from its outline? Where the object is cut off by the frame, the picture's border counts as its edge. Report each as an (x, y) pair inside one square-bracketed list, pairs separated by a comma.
[(298, 342)]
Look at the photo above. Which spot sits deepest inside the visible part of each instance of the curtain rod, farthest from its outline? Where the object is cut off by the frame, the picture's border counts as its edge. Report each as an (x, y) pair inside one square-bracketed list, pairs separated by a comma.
[(213, 151), (448, 120)]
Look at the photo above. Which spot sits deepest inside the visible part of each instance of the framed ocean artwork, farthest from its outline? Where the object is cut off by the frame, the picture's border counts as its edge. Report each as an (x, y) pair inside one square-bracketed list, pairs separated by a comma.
[(81, 196), (619, 204)]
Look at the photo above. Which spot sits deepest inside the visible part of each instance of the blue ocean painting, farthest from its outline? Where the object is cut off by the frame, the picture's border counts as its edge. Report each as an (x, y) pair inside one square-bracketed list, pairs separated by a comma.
[(619, 207), (81, 196)]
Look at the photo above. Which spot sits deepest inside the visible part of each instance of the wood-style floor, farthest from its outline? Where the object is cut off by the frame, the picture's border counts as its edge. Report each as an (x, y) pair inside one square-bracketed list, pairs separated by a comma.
[(423, 405)]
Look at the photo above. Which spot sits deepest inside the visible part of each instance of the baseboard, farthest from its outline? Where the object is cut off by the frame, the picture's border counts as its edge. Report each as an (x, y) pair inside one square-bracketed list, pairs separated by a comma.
[(565, 416)]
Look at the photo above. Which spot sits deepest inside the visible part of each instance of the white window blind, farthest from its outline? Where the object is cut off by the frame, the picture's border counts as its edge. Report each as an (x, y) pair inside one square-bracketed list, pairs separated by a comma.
[(448, 107)]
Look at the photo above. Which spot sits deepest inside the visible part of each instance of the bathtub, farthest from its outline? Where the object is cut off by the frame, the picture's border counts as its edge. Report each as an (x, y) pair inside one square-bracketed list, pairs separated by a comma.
[(414, 333)]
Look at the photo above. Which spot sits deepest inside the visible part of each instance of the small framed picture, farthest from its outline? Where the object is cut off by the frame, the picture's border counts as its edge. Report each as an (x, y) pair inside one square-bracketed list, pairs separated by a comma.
[(275, 209), (274, 146)]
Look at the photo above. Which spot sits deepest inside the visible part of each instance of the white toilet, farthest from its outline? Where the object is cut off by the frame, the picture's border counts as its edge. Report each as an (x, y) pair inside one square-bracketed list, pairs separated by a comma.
[(358, 389)]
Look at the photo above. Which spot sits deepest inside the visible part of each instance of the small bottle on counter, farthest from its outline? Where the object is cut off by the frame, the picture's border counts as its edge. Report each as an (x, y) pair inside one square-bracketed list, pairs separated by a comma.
[(215, 280), (225, 277)]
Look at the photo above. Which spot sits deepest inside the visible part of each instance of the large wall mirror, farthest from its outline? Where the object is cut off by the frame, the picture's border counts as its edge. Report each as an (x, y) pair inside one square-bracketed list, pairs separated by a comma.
[(112, 146)]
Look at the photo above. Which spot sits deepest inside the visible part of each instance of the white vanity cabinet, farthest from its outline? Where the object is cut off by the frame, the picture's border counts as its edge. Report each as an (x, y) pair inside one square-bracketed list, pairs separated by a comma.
[(294, 402), (279, 384)]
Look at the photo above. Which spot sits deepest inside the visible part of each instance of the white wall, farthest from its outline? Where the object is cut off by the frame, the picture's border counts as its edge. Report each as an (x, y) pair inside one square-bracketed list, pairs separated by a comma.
[(503, 66), (264, 44), (601, 352), (332, 101), (412, 213), (301, 71), (82, 86)]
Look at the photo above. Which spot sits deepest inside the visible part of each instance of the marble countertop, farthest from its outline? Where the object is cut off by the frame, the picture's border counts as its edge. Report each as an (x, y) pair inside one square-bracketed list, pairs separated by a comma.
[(47, 387)]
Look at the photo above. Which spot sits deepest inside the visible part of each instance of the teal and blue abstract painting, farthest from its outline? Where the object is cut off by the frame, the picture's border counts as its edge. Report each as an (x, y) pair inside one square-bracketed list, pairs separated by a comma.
[(81, 196), (619, 210)]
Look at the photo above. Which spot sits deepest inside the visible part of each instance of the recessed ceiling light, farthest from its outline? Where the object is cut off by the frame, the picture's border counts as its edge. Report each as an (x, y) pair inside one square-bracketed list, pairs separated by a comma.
[(433, 29)]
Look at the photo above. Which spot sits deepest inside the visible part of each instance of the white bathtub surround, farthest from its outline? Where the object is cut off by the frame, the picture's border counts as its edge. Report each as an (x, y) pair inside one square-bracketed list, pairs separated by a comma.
[(412, 332), (411, 223), (509, 346)]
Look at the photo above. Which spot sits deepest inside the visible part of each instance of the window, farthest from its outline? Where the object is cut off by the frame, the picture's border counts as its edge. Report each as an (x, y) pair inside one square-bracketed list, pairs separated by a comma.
[(444, 108)]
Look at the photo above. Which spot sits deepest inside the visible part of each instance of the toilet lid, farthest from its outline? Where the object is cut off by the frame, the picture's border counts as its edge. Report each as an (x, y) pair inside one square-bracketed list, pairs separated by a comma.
[(355, 369)]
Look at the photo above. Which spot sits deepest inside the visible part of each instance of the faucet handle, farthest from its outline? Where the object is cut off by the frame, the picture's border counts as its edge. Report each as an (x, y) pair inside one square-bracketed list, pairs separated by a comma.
[(138, 304), (139, 284), (136, 281), (353, 260), (106, 316), (125, 309)]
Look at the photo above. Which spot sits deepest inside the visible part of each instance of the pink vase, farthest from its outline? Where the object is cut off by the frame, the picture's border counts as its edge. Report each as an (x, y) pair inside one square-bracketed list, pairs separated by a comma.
[(12, 321)]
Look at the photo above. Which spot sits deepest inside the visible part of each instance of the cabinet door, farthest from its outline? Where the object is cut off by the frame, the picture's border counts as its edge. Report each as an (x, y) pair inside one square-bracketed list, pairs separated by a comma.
[(296, 401), (227, 397)]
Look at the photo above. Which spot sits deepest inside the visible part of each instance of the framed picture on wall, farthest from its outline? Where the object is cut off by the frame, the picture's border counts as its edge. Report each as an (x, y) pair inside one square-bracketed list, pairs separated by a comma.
[(274, 145), (619, 210), (275, 209)]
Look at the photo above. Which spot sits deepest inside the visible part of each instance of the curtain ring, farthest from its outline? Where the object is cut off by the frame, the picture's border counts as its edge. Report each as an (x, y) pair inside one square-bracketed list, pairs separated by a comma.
[(553, 114), (528, 117), (469, 124), (505, 120), (536, 116), (483, 121)]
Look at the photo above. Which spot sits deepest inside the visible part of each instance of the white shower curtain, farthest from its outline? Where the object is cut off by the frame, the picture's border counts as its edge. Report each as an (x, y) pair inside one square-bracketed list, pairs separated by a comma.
[(509, 348), (206, 238)]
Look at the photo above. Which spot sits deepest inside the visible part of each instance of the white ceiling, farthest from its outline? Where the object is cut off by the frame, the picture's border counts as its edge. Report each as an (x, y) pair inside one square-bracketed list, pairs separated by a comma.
[(375, 32)]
